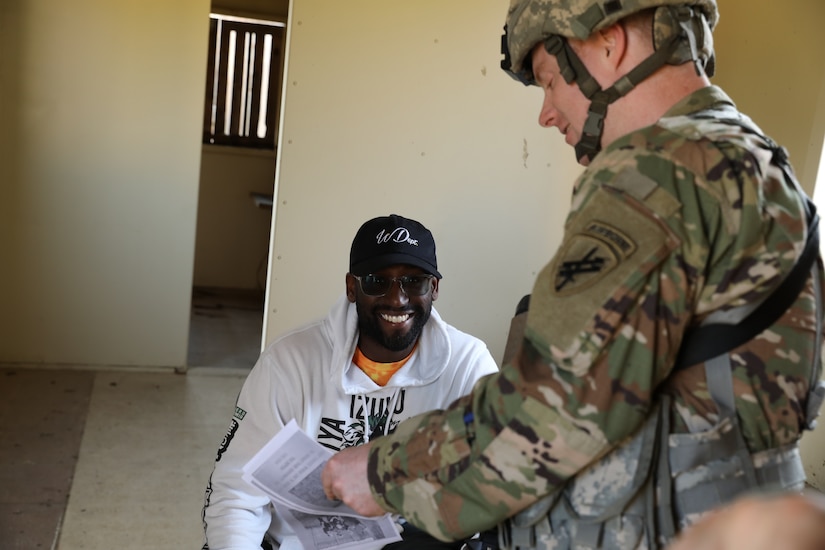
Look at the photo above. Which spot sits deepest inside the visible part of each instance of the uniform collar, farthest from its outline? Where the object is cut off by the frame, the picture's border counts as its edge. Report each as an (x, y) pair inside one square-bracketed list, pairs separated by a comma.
[(701, 100)]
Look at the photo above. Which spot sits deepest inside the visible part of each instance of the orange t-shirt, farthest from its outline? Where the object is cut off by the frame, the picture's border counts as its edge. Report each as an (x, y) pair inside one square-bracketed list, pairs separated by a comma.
[(380, 373)]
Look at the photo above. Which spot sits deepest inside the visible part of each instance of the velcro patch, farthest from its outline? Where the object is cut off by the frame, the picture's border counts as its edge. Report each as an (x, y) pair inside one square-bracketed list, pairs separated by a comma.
[(590, 255)]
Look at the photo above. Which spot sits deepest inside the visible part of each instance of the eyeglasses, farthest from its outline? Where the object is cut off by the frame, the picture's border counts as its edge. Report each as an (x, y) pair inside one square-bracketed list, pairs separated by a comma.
[(411, 285)]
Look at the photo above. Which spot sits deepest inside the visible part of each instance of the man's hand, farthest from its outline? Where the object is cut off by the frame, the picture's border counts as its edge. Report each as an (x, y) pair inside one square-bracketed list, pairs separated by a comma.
[(345, 479)]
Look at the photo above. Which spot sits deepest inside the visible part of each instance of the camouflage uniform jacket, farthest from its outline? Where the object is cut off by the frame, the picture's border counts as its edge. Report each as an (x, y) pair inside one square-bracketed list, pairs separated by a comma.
[(668, 225)]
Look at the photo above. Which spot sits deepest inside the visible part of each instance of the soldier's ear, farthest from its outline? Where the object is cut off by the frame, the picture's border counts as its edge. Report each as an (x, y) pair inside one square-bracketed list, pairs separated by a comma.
[(612, 44)]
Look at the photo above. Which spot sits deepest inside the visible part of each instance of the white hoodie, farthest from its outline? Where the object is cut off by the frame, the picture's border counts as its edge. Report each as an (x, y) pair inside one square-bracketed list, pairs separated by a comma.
[(308, 374)]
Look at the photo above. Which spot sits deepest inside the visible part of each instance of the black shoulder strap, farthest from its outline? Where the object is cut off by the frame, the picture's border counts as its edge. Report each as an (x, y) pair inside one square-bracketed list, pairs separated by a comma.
[(707, 341)]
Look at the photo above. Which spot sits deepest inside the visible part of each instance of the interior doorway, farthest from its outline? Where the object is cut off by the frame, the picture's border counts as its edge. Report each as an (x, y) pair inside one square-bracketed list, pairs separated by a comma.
[(238, 167)]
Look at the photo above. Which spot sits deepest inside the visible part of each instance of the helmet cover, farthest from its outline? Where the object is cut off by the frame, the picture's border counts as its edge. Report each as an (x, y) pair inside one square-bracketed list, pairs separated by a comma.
[(530, 22)]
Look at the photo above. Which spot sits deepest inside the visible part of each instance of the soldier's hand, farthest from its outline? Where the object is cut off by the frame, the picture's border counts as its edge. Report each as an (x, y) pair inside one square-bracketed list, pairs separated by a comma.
[(345, 479)]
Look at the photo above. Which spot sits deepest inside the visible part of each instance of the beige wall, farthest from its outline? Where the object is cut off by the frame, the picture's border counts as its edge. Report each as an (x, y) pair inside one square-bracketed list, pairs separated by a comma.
[(101, 103), (402, 108)]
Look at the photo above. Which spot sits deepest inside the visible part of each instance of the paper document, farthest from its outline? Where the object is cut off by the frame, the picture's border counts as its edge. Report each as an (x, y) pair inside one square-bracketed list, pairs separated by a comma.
[(288, 470)]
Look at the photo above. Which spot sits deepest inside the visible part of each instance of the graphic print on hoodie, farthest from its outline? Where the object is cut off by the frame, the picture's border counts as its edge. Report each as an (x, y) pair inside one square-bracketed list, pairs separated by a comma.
[(377, 413)]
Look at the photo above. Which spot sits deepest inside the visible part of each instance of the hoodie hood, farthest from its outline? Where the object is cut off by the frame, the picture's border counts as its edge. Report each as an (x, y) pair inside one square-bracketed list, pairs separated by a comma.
[(428, 361)]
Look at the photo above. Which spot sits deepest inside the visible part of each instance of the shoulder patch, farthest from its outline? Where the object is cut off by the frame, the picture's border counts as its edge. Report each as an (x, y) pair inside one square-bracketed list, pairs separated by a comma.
[(610, 246), (590, 255)]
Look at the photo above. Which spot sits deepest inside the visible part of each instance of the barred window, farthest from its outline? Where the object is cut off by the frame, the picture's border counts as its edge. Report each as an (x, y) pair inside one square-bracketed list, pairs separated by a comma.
[(242, 82)]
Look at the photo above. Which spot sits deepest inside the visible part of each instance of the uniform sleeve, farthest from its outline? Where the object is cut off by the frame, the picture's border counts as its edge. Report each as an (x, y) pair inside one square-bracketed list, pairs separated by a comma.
[(598, 336), (236, 515)]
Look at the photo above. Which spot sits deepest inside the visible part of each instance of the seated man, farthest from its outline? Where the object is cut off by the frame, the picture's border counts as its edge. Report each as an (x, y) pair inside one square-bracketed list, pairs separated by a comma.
[(382, 355)]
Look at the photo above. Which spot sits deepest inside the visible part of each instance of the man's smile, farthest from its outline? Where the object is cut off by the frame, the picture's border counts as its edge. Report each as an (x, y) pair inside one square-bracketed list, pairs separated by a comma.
[(396, 318)]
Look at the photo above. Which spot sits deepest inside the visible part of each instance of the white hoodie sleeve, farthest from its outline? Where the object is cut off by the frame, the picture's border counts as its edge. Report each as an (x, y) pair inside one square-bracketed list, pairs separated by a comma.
[(236, 515)]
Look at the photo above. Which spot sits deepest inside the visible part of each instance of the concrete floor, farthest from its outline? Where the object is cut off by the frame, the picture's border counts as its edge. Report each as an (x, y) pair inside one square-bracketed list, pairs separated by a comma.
[(116, 459), (100, 460), (146, 454), (42, 419)]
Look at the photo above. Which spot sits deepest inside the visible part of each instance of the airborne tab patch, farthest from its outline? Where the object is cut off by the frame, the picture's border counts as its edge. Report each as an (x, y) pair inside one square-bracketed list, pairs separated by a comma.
[(590, 255)]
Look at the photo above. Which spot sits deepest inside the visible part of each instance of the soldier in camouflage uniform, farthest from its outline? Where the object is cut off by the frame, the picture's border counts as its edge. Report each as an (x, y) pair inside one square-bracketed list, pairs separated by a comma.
[(685, 364)]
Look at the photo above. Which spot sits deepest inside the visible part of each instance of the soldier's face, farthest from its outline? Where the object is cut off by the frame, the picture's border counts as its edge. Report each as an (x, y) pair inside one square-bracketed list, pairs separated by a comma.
[(390, 325), (563, 106)]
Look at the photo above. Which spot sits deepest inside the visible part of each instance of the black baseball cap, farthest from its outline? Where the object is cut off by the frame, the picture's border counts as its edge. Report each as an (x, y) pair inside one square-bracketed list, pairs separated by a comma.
[(390, 240)]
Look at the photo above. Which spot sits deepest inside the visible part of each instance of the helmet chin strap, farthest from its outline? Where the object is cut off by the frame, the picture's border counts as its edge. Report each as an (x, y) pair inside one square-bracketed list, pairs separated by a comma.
[(573, 70)]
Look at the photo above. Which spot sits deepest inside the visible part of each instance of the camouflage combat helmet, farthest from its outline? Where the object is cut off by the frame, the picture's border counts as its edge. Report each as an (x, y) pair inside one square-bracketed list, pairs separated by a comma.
[(682, 32)]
